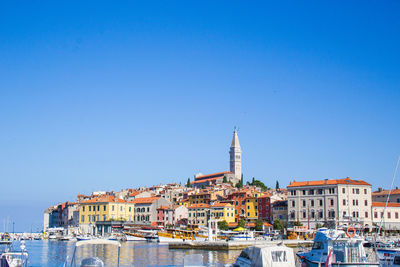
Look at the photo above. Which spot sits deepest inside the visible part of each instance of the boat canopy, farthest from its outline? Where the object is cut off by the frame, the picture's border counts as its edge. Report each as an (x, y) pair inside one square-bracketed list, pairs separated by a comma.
[(98, 242), (269, 256), (239, 229)]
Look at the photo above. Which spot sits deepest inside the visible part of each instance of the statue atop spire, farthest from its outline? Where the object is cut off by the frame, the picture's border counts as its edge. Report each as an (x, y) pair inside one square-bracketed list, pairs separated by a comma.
[(236, 156)]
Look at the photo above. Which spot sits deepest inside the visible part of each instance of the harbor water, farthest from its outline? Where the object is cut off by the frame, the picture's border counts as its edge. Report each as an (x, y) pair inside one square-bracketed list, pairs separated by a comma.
[(54, 253)]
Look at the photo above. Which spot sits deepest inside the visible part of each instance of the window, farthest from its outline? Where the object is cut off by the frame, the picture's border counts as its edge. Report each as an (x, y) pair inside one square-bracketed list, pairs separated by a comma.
[(104, 208), (112, 207), (293, 203), (344, 214), (304, 214), (318, 245), (312, 214), (311, 192), (396, 215), (90, 208), (98, 218), (344, 202), (312, 203), (332, 202), (366, 214), (375, 215), (321, 214), (120, 208), (83, 218), (389, 215), (248, 214), (304, 203), (366, 202), (104, 217), (320, 202), (98, 208), (365, 191), (304, 192), (89, 217), (320, 191), (83, 208), (343, 190)]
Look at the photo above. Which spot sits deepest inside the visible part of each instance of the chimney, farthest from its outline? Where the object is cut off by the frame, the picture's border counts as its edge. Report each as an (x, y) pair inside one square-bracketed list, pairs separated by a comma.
[(379, 189)]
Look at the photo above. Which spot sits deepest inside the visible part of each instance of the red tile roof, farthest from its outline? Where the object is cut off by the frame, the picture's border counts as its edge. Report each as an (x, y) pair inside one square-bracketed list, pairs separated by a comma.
[(211, 175), (199, 205), (104, 199), (386, 192), (222, 205), (347, 181), (145, 200), (383, 204)]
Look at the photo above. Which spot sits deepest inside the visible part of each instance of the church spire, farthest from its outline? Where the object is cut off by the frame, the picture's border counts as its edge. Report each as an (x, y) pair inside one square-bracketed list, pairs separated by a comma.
[(235, 153), (235, 139)]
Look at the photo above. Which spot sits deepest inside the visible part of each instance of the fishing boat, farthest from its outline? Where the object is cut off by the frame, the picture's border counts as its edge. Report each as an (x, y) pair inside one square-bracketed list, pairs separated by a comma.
[(13, 258), (266, 256), (337, 248), (94, 261)]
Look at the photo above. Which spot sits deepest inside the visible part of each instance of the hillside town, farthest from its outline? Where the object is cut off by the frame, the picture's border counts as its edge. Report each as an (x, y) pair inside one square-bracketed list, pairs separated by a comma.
[(224, 198)]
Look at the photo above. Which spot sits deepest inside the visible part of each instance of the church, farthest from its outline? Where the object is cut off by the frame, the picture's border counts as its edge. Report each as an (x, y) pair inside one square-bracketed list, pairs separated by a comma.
[(235, 173)]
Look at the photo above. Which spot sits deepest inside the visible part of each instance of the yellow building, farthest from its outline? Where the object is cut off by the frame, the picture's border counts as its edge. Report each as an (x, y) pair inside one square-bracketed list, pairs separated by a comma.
[(183, 202), (251, 208), (198, 214), (102, 209), (223, 211)]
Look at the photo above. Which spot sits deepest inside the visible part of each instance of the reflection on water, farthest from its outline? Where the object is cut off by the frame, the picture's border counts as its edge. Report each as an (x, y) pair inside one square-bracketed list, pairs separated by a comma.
[(53, 253)]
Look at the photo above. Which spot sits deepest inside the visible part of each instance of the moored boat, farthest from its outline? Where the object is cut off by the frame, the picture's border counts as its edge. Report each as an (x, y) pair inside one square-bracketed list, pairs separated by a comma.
[(336, 248), (266, 256)]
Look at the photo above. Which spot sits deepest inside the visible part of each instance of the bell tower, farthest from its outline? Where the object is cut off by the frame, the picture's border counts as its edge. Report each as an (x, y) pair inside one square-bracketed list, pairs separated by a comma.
[(236, 156)]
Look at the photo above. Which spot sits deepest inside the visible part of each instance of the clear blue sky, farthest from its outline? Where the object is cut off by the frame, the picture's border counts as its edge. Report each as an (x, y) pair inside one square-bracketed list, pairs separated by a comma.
[(104, 95)]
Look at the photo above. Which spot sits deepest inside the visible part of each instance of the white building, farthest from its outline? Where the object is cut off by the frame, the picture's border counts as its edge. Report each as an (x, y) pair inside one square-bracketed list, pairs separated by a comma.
[(340, 201), (390, 217)]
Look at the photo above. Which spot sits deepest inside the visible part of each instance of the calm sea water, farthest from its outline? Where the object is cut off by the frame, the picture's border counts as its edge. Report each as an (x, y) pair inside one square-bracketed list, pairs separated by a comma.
[(53, 253)]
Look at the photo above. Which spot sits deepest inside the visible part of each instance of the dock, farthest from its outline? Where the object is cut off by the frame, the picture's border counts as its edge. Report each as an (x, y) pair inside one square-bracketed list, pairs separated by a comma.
[(235, 245)]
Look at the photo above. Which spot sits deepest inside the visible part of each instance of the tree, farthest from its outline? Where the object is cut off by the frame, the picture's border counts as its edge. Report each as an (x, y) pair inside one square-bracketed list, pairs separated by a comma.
[(259, 225), (318, 225), (240, 183), (225, 180), (188, 183), (278, 225), (258, 183), (277, 185), (297, 223), (202, 186), (241, 223), (223, 225)]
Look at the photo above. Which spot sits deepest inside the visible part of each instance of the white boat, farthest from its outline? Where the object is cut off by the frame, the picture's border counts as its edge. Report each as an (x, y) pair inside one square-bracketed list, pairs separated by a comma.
[(336, 248), (13, 258), (135, 236), (84, 237), (93, 261), (266, 256), (68, 238)]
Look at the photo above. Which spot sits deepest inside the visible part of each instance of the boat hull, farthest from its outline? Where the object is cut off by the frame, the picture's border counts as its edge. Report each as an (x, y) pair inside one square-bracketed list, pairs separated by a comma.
[(309, 263)]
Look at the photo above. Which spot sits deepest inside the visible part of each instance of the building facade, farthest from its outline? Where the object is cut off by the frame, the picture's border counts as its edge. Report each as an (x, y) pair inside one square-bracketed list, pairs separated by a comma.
[(340, 201), (102, 209), (389, 217), (146, 209)]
